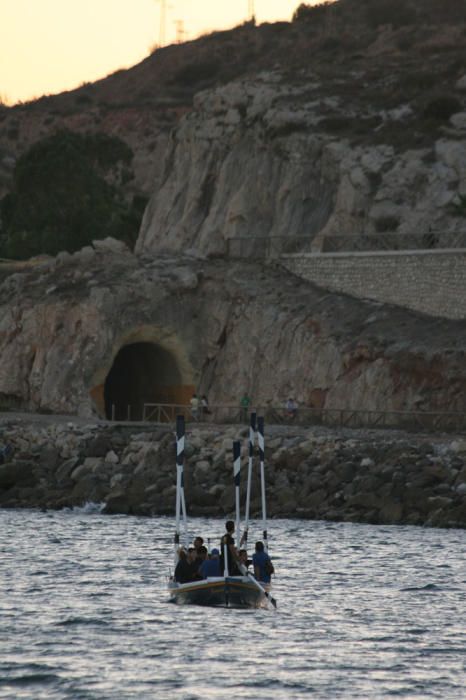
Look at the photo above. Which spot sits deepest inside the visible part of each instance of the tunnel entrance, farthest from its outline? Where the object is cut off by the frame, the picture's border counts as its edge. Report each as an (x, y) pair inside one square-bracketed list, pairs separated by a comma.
[(143, 373)]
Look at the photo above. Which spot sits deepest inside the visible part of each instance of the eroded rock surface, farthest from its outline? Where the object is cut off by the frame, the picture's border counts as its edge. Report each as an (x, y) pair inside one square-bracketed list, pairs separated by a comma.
[(229, 327), (260, 158)]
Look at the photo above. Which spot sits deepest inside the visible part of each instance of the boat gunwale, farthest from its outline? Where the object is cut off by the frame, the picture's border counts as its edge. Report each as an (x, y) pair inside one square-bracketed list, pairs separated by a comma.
[(214, 582)]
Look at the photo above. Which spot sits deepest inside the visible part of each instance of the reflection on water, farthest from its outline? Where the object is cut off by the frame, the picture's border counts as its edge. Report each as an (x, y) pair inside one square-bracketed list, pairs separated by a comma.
[(364, 612)]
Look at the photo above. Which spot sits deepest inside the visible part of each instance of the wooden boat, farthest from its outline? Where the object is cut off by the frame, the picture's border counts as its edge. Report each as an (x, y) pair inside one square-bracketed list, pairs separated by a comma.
[(224, 592), (229, 591)]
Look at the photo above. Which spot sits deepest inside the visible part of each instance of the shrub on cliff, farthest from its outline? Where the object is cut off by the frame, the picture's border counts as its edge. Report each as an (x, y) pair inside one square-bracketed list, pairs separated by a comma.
[(196, 73), (311, 13), (442, 107), (67, 192)]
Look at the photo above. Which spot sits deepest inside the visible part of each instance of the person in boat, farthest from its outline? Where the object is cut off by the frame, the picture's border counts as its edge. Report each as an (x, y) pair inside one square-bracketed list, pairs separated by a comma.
[(211, 567), (183, 570), (243, 558), (263, 567), (232, 552), (201, 551), (198, 543), (202, 556), (194, 563)]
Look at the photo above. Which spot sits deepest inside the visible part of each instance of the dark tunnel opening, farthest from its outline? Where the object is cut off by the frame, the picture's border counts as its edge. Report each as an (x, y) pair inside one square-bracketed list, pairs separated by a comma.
[(142, 373)]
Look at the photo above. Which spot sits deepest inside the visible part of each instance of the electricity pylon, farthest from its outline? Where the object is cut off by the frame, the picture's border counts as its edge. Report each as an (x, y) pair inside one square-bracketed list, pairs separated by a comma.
[(180, 31), (251, 13), (164, 6)]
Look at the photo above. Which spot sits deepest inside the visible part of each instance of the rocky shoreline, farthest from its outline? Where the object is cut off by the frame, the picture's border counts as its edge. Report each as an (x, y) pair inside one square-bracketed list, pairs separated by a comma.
[(315, 473)]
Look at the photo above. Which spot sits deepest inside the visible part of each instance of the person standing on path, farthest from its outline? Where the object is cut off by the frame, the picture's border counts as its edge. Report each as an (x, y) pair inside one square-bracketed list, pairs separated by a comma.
[(245, 402), (194, 406)]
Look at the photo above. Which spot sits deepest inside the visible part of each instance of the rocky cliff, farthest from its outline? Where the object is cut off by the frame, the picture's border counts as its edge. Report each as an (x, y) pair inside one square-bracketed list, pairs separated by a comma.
[(341, 124), (307, 157), (349, 118)]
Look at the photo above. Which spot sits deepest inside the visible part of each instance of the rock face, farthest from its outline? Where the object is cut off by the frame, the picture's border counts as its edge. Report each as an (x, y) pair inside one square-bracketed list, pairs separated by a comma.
[(227, 176), (258, 158), (219, 327), (316, 474), (301, 150)]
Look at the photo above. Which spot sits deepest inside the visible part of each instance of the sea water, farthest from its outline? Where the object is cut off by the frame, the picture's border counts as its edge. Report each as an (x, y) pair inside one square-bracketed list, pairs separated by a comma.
[(363, 612)]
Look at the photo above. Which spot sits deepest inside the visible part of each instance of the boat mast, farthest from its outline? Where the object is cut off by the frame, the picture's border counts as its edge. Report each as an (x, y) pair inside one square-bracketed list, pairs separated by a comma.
[(180, 501), (260, 428), (237, 480), (252, 434)]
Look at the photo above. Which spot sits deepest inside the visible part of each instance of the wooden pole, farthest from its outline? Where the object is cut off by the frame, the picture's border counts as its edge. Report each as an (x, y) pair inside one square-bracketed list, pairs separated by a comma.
[(237, 481), (260, 428), (180, 438), (252, 435)]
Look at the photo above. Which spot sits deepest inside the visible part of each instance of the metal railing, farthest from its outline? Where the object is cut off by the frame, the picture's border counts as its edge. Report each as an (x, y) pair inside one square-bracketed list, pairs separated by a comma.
[(272, 247), (364, 242), (267, 247), (423, 421)]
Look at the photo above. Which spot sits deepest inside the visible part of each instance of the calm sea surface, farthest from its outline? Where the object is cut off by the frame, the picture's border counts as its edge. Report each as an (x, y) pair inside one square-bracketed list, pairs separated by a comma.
[(363, 612)]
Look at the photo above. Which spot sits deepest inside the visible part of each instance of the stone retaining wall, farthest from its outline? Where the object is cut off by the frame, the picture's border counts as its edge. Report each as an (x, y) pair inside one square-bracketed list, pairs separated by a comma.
[(359, 476), (430, 281)]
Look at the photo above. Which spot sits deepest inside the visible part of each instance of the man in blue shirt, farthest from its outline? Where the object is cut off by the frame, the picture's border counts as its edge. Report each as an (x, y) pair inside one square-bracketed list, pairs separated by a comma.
[(263, 567), (211, 567)]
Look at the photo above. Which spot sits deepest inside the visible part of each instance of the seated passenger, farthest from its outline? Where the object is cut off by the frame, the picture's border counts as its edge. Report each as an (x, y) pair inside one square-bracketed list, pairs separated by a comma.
[(194, 563), (198, 542), (211, 567), (183, 572), (201, 556), (263, 567), (243, 558)]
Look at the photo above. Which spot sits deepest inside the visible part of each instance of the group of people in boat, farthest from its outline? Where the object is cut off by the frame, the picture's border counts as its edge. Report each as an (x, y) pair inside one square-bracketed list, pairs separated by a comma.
[(196, 563)]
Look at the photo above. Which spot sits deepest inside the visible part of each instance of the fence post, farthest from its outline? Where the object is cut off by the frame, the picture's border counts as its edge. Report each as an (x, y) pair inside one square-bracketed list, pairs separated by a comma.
[(113, 411)]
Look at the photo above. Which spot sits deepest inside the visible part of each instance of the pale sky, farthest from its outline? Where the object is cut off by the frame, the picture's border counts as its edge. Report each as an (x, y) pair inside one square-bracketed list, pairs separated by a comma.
[(47, 46)]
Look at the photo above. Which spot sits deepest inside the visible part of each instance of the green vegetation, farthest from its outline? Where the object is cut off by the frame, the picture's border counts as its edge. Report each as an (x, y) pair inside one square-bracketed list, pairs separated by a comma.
[(306, 12), (459, 207), (67, 192), (196, 72)]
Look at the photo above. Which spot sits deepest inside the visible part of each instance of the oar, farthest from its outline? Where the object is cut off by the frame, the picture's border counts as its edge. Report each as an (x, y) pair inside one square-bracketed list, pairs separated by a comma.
[(237, 480), (247, 573)]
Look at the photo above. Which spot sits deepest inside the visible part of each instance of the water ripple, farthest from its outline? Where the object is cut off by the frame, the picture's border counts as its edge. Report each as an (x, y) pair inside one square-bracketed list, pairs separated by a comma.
[(364, 612)]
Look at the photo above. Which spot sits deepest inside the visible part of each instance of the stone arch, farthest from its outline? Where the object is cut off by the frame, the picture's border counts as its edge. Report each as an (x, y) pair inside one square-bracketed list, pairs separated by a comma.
[(147, 366)]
